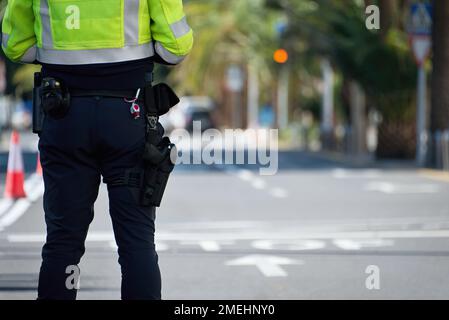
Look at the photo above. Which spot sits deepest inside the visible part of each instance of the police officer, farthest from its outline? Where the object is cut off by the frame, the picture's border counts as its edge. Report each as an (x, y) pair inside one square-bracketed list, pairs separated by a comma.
[(100, 53)]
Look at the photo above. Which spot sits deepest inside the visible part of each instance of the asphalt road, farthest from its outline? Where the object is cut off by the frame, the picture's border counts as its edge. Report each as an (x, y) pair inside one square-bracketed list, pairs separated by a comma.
[(312, 231)]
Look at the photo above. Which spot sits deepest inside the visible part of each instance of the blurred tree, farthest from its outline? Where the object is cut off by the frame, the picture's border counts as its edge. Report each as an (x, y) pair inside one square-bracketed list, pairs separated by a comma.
[(23, 79), (242, 31), (226, 31), (380, 62), (389, 16), (248, 32)]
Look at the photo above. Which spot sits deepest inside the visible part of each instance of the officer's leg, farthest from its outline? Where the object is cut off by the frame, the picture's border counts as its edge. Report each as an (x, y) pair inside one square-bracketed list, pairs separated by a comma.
[(71, 178), (134, 228), (134, 225)]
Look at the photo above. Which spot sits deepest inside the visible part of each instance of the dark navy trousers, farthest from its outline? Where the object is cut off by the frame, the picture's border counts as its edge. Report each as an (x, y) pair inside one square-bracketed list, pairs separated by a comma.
[(97, 137)]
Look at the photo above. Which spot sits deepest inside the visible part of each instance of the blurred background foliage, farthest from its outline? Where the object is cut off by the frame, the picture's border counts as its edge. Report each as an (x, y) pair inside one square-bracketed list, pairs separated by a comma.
[(227, 31), (247, 32)]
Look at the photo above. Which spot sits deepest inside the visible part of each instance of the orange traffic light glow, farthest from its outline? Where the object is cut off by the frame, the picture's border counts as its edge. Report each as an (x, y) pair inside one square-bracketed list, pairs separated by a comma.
[(280, 56)]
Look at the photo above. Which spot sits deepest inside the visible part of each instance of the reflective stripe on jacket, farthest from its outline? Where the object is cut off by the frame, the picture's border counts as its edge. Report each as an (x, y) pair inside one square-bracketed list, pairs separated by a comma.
[(95, 31)]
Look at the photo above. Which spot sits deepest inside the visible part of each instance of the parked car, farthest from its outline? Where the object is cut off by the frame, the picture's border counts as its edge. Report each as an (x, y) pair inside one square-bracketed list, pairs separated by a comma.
[(189, 110)]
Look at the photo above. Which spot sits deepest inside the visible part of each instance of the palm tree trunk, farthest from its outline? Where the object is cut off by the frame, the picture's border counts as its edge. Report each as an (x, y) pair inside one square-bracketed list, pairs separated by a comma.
[(388, 10), (440, 78), (439, 116)]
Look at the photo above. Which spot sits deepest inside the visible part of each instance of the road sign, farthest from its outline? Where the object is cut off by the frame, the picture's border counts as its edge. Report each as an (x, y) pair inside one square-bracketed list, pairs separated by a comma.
[(420, 23), (420, 30), (421, 46)]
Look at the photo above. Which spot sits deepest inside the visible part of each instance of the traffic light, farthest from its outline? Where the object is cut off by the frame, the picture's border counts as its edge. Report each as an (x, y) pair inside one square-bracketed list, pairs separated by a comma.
[(280, 56)]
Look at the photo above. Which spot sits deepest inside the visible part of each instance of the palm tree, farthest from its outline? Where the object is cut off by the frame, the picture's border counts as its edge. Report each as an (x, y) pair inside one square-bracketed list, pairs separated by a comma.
[(380, 62), (440, 78), (226, 32)]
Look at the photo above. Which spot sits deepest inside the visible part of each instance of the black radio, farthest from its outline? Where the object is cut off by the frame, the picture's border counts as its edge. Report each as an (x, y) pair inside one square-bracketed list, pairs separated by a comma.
[(50, 97), (55, 97)]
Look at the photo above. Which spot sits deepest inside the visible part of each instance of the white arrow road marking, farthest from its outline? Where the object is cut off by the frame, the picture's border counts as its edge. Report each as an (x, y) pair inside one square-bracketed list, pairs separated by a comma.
[(391, 188), (268, 265)]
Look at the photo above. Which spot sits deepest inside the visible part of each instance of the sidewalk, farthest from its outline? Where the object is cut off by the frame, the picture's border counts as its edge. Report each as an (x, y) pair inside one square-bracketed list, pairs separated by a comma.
[(366, 161)]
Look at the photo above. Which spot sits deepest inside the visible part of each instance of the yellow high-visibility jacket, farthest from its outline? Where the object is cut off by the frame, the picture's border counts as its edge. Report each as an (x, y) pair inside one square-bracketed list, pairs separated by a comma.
[(72, 32)]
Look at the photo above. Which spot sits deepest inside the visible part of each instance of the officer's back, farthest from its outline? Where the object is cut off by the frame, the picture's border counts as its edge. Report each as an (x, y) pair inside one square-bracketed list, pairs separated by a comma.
[(95, 55)]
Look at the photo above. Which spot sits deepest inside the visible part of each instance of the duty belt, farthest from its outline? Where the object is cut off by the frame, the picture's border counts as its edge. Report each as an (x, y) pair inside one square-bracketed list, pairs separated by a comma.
[(102, 93)]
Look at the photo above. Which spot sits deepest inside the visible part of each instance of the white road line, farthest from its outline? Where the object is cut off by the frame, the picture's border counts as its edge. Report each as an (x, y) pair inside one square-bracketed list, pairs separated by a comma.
[(207, 245), (26, 237), (361, 223), (35, 191), (258, 184), (34, 188), (5, 204), (279, 193), (159, 246), (356, 174), (210, 246), (244, 175), (357, 244), (113, 245), (292, 245), (306, 235), (392, 188), (92, 236), (17, 210), (236, 236)]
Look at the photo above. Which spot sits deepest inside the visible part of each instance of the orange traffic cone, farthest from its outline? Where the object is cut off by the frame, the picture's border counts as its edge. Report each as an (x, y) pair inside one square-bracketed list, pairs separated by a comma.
[(38, 165), (15, 175)]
